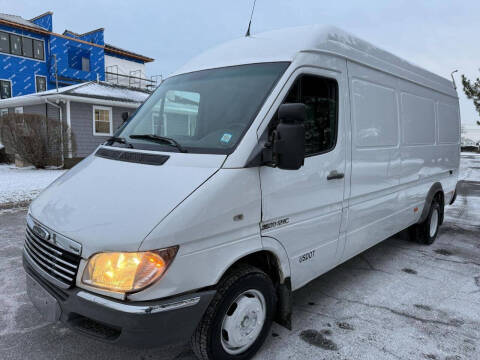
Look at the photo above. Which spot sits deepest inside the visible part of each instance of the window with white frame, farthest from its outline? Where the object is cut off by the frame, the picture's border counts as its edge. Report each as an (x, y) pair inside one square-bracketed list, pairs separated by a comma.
[(3, 112), (102, 121), (40, 83), (19, 110), (5, 89)]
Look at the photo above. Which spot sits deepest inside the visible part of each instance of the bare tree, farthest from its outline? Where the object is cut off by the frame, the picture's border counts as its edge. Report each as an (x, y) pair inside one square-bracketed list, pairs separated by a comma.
[(35, 138)]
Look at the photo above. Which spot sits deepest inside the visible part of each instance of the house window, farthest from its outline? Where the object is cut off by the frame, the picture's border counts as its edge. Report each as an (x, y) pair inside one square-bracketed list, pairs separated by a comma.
[(40, 83), (16, 44), (38, 49), (3, 112), (4, 42), (27, 47), (21, 46), (19, 110), (78, 58), (102, 121), (5, 89), (180, 113), (85, 64)]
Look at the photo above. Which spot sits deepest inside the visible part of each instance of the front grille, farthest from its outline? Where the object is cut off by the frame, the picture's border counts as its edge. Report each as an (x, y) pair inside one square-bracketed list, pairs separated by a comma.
[(55, 261)]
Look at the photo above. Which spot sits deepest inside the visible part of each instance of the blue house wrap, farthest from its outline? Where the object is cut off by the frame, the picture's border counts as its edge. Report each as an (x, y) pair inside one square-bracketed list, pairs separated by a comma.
[(33, 58)]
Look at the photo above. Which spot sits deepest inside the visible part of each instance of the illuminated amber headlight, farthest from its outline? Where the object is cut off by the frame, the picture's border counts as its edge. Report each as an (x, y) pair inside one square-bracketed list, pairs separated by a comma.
[(127, 271)]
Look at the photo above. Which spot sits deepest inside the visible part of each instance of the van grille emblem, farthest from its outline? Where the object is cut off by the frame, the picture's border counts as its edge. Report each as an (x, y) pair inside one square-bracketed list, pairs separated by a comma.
[(41, 233)]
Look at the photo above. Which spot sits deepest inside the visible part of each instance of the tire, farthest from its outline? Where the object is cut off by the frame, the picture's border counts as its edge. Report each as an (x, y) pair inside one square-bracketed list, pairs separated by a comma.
[(426, 232), (239, 292)]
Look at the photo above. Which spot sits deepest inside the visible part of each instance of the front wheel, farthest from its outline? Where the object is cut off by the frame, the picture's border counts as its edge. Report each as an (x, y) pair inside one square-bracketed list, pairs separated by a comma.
[(239, 317)]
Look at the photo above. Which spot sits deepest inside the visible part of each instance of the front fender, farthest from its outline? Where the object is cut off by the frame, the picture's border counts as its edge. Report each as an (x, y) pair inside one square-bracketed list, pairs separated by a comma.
[(274, 246)]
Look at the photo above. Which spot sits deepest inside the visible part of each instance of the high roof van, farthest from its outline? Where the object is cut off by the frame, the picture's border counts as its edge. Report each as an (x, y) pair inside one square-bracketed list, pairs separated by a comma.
[(258, 166)]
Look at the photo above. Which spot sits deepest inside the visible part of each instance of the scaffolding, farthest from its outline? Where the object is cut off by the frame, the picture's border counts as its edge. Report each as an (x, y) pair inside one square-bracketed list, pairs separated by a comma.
[(134, 79)]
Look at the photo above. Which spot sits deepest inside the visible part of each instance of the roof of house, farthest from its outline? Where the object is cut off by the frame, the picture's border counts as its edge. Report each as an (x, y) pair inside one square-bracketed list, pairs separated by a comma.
[(19, 20), (286, 44), (92, 90), (108, 92), (9, 19), (116, 49)]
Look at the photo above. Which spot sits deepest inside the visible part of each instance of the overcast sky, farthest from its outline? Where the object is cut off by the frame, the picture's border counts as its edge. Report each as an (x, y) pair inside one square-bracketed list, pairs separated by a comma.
[(440, 35)]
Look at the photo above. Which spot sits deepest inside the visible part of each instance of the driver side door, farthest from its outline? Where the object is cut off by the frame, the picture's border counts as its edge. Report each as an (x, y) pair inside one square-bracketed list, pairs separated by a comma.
[(302, 208)]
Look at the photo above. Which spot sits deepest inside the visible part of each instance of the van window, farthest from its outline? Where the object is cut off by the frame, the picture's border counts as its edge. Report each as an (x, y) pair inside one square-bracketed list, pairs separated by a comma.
[(320, 96), (418, 120), (205, 111), (374, 113), (448, 124)]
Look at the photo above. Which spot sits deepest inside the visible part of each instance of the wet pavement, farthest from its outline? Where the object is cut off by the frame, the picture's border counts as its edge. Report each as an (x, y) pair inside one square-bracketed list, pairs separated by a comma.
[(397, 300)]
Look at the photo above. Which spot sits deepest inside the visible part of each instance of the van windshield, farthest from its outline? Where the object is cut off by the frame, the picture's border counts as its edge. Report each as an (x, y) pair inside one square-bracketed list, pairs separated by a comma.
[(203, 112)]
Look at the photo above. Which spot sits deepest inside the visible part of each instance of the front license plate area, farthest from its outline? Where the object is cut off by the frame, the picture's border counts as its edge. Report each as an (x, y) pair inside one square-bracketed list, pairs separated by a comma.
[(45, 303)]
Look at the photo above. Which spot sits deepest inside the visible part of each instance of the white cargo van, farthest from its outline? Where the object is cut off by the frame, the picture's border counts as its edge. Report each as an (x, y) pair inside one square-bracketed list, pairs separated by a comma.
[(257, 167)]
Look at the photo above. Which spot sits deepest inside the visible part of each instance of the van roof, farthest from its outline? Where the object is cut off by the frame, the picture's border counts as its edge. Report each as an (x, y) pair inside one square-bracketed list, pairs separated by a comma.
[(286, 44)]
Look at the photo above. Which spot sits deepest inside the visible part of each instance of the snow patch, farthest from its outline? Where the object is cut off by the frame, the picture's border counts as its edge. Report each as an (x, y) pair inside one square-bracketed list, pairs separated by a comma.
[(108, 91), (24, 184)]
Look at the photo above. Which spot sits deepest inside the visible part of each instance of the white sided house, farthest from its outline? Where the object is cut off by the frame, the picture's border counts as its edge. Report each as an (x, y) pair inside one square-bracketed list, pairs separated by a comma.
[(92, 110), (257, 167)]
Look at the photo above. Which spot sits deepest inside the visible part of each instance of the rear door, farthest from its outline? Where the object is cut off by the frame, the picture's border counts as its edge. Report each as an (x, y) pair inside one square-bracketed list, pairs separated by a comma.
[(303, 208)]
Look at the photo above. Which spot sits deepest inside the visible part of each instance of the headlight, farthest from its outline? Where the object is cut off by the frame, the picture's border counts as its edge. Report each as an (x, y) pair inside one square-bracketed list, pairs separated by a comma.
[(127, 271)]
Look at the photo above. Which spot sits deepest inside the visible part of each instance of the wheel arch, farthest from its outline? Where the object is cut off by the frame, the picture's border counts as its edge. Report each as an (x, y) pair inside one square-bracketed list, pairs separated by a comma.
[(265, 260), (436, 190), (272, 260)]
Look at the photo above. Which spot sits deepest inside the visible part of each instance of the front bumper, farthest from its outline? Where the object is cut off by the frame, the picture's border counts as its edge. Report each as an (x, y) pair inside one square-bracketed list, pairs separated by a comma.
[(134, 324)]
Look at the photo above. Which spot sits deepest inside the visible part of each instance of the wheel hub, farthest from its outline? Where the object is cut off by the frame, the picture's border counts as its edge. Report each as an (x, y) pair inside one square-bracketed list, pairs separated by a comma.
[(243, 322)]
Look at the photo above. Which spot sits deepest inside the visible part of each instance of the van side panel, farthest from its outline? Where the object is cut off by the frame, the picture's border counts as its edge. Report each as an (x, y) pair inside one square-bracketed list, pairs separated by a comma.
[(405, 137), (428, 154), (375, 170)]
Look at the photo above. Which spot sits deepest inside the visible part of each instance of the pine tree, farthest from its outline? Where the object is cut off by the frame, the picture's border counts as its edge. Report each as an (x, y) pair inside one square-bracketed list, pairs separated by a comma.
[(472, 90)]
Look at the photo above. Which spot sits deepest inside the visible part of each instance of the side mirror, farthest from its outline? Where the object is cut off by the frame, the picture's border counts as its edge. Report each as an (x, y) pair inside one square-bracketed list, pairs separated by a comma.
[(289, 137), (125, 116)]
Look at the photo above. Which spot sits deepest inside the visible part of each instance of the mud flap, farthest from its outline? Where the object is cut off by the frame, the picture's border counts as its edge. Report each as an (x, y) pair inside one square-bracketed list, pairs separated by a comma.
[(284, 309)]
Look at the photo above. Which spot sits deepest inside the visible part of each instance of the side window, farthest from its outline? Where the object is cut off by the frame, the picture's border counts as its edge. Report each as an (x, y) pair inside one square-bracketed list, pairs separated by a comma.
[(27, 46), (5, 89), (38, 49), (102, 121), (4, 42), (320, 96), (16, 44), (85, 63), (41, 83)]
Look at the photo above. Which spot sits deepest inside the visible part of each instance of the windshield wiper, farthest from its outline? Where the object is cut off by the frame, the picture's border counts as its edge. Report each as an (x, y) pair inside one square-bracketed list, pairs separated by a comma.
[(160, 139), (120, 140)]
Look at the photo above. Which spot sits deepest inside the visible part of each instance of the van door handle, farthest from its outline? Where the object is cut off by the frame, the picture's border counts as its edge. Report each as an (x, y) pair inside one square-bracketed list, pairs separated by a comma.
[(334, 174)]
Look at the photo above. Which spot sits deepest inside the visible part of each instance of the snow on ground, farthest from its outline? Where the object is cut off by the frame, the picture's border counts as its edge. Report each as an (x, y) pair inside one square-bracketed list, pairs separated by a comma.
[(20, 185), (466, 209), (469, 166)]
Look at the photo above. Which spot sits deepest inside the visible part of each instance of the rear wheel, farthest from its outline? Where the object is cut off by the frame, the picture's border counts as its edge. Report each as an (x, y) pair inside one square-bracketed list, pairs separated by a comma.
[(427, 231), (239, 317)]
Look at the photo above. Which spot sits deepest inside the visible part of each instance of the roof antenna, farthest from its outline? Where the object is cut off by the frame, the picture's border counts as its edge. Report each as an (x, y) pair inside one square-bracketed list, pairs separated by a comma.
[(250, 22)]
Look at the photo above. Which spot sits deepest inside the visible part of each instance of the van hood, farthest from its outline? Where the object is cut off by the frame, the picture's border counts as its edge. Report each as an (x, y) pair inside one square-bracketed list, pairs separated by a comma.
[(111, 205)]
